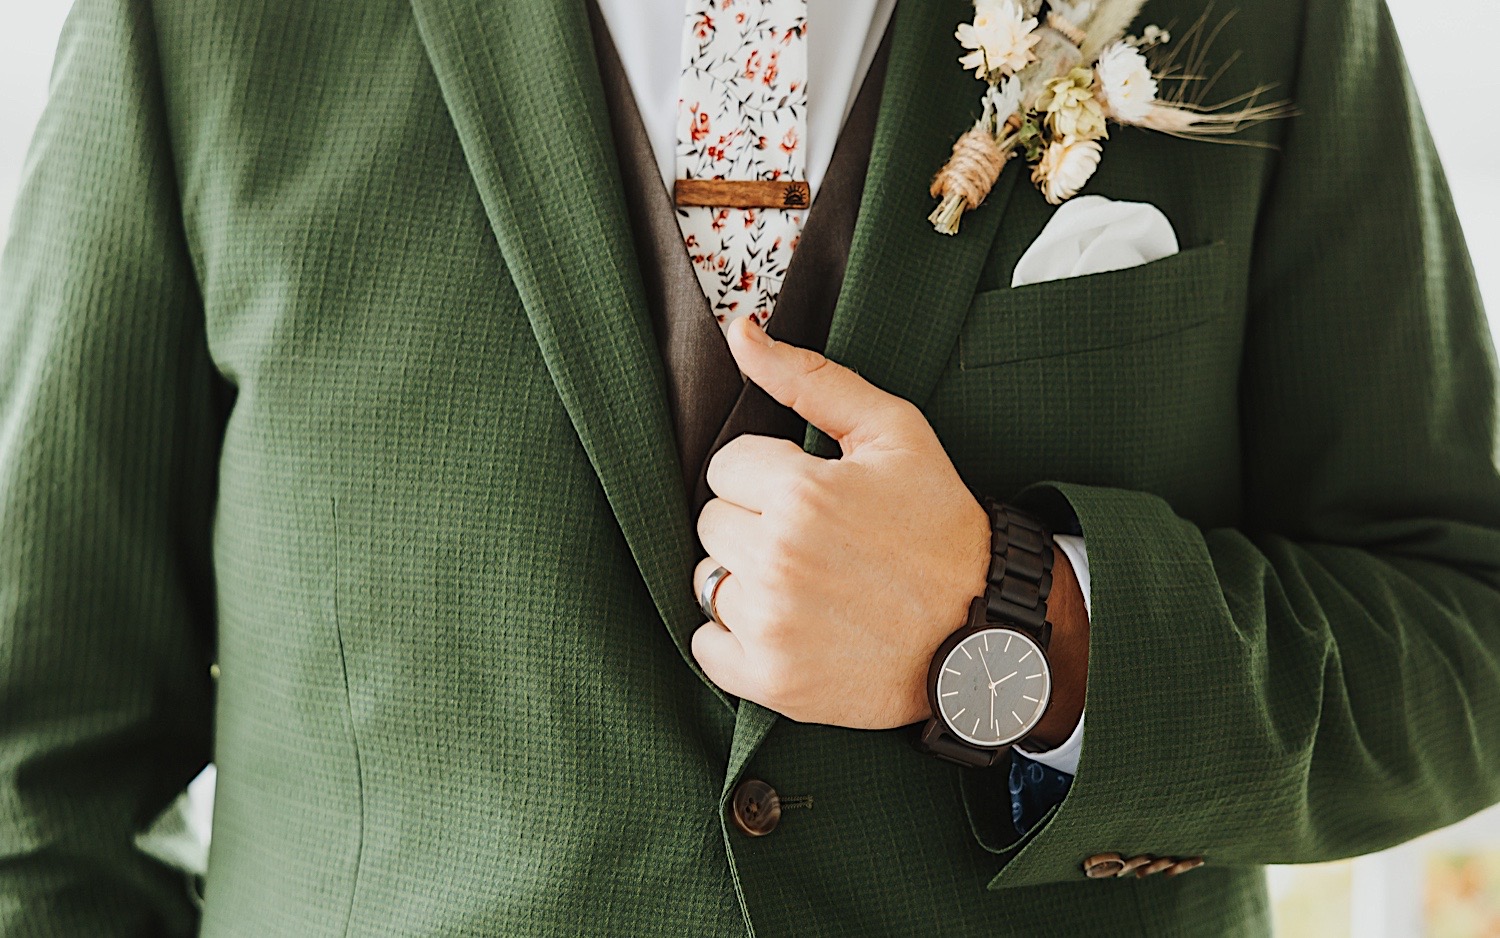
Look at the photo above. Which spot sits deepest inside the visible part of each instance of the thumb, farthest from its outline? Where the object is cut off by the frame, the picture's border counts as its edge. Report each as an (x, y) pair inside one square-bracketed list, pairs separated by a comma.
[(824, 393)]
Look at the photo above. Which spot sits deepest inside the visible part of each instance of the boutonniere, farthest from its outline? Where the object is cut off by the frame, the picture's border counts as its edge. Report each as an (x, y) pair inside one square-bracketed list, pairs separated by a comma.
[(1057, 74)]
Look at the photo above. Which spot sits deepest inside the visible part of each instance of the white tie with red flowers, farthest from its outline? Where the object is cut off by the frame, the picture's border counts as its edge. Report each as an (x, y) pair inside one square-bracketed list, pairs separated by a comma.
[(742, 115)]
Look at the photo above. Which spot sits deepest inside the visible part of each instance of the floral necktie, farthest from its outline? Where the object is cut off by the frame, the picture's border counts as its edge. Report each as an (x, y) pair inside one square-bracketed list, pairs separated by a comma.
[(741, 115)]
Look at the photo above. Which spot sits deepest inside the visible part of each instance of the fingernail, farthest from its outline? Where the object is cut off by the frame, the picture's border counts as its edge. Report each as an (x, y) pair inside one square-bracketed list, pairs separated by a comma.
[(756, 334)]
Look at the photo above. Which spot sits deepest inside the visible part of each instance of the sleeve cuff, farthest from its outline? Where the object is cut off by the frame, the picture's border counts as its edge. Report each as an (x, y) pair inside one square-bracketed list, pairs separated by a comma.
[(1064, 758), (1078, 556)]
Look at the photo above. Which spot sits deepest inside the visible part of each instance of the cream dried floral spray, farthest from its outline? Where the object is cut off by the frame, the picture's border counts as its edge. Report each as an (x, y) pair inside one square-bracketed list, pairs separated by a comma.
[(1058, 73)]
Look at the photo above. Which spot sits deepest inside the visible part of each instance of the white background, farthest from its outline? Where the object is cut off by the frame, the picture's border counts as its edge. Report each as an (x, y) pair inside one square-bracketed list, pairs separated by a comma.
[(1460, 89)]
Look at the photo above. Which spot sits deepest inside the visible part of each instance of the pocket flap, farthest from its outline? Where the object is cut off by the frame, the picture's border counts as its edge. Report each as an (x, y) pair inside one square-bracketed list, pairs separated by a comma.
[(1097, 311)]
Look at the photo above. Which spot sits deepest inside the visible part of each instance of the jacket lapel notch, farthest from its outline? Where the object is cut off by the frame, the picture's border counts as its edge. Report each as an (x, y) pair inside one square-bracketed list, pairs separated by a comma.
[(522, 86)]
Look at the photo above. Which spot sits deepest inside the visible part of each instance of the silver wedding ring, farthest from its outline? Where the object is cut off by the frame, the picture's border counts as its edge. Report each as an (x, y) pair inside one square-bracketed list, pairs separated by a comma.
[(710, 593)]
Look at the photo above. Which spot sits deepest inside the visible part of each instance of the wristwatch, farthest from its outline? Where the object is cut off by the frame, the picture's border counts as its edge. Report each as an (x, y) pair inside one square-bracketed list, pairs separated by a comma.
[(989, 683)]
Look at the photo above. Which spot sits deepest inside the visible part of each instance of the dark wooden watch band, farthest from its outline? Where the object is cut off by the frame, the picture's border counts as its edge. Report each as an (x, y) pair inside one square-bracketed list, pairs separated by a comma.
[(1020, 575), (1022, 552), (1017, 586)]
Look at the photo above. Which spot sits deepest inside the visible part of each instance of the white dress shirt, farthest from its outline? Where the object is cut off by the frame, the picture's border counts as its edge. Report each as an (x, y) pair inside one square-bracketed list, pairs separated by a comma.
[(842, 37)]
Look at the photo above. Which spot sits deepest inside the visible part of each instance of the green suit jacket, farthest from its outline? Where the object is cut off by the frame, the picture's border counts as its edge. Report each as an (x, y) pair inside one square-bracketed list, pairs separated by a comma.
[(324, 355)]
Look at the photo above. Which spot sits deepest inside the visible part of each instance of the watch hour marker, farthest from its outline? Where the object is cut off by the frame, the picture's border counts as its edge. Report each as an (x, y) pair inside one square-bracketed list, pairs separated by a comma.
[(959, 713), (1025, 656), (1023, 697), (966, 652), (975, 731), (1018, 719), (1030, 676), (1007, 642), (951, 671), (952, 693), (986, 641)]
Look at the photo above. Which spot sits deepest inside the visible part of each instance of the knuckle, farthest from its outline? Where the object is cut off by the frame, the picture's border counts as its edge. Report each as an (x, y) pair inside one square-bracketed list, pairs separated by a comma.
[(727, 458), (783, 448), (906, 415), (909, 411), (780, 563), (705, 524), (813, 370), (784, 688), (774, 682), (806, 498), (809, 360), (823, 372), (773, 627), (815, 363), (728, 450)]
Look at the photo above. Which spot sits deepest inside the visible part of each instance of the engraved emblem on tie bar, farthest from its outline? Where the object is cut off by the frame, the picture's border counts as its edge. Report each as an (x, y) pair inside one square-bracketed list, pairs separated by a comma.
[(742, 193)]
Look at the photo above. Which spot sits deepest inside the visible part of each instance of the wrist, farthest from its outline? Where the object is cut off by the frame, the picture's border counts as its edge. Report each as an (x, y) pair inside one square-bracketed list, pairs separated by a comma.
[(1006, 634), (1067, 655), (972, 576)]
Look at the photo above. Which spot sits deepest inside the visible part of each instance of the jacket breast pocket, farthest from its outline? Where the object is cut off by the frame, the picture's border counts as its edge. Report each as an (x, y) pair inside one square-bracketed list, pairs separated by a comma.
[(1098, 312)]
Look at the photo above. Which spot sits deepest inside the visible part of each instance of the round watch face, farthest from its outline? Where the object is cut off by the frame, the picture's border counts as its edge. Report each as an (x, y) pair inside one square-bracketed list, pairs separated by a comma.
[(993, 687)]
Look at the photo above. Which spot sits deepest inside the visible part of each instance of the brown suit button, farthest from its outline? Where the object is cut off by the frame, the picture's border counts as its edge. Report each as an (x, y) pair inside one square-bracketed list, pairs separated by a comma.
[(1134, 863), (1103, 866), (755, 807), (1182, 866)]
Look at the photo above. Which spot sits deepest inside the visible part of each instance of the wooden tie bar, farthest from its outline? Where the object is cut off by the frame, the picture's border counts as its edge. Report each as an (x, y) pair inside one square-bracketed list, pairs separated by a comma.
[(742, 193)]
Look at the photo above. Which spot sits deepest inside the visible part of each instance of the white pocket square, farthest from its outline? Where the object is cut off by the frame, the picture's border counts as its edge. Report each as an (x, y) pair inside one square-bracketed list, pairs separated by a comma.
[(1091, 235)]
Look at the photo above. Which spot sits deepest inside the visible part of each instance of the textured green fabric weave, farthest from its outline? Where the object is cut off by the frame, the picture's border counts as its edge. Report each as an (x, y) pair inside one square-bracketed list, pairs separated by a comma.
[(324, 355)]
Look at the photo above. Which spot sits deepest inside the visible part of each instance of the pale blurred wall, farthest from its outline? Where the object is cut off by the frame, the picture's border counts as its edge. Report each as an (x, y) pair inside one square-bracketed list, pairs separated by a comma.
[(28, 36), (1457, 85)]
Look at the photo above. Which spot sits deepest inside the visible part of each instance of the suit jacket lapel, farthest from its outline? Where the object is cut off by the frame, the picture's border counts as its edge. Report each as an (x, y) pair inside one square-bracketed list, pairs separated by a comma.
[(522, 84), (907, 287)]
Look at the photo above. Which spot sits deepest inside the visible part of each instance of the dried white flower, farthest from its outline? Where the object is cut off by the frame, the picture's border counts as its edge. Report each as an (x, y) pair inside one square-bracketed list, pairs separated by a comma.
[(1066, 167), (1001, 38), (1072, 108), (1002, 101), (1052, 90), (1126, 84)]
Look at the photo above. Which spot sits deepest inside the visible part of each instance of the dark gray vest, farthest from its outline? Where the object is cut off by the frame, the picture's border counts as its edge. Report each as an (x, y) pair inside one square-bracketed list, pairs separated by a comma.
[(710, 403)]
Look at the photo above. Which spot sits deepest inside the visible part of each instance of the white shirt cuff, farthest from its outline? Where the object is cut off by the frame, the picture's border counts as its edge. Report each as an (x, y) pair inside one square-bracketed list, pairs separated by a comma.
[(1065, 757)]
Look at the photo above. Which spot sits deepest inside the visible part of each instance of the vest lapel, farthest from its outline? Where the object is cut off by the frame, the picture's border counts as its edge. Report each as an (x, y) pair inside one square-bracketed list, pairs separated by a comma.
[(907, 287), (522, 85)]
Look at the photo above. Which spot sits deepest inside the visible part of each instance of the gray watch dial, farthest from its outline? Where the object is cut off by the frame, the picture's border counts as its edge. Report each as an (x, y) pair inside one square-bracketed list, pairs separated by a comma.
[(993, 687)]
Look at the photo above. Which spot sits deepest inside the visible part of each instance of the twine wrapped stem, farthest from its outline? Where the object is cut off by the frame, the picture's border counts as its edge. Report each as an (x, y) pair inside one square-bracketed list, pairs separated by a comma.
[(969, 175)]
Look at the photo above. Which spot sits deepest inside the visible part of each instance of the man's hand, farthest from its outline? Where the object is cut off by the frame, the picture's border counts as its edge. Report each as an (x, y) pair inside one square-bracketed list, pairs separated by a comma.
[(846, 574)]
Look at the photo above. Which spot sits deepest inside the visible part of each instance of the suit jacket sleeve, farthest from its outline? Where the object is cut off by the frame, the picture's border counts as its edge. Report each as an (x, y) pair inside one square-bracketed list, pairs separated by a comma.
[(1322, 679), (109, 431)]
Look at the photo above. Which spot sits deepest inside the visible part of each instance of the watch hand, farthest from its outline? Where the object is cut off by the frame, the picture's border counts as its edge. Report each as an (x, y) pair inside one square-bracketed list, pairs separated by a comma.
[(986, 668), (1004, 679)]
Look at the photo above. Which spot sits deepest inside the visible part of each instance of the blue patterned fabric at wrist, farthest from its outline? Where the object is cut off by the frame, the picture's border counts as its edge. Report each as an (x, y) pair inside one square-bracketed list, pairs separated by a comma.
[(1034, 789)]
